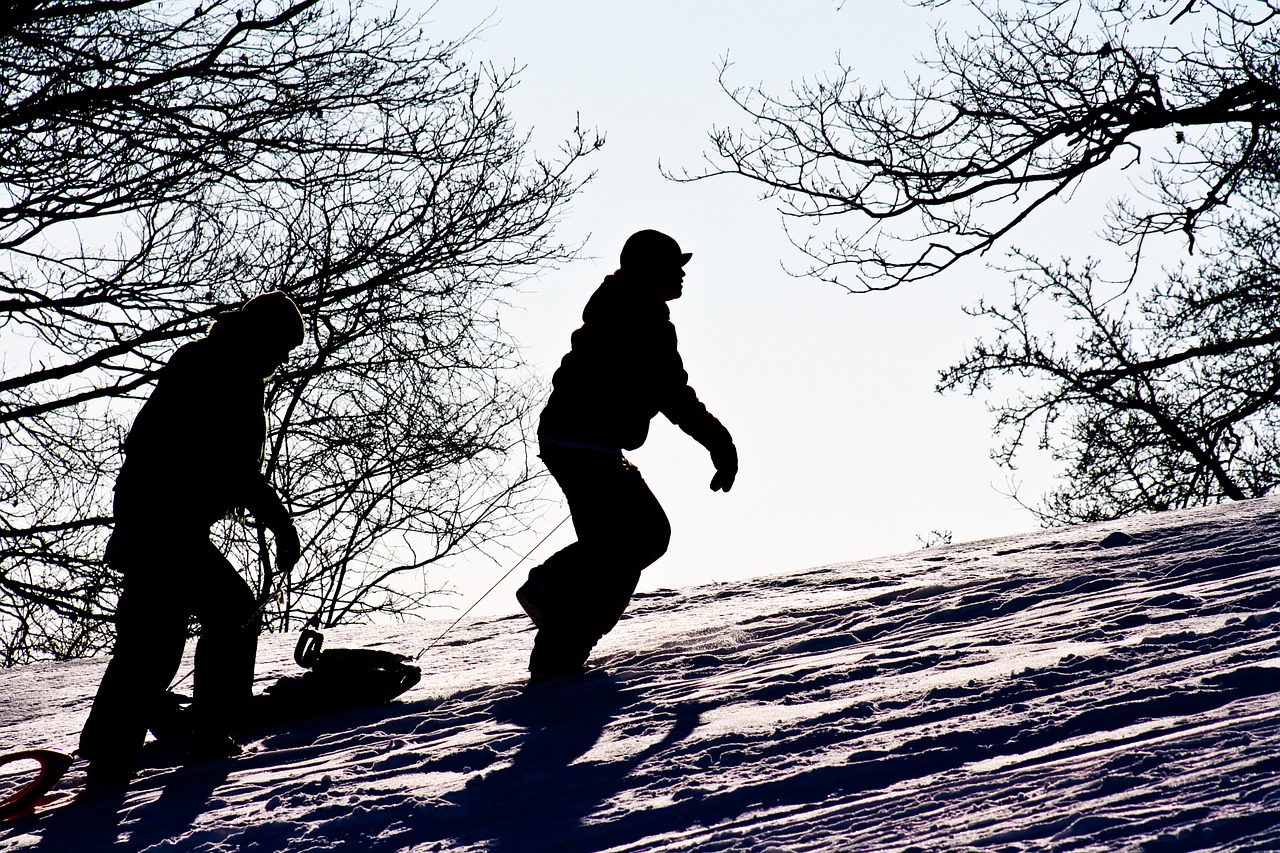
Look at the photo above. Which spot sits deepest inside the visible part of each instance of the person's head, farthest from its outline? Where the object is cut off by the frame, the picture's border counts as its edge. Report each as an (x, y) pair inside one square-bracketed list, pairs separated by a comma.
[(655, 259), (262, 331)]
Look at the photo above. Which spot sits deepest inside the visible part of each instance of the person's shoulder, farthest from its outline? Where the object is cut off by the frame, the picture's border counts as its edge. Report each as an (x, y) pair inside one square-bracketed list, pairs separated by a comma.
[(619, 301), (196, 360), (189, 354)]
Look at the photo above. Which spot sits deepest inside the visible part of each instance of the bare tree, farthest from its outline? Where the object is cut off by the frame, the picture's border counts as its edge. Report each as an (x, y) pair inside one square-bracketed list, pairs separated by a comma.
[(1154, 389), (1164, 399), (163, 162), (1007, 118)]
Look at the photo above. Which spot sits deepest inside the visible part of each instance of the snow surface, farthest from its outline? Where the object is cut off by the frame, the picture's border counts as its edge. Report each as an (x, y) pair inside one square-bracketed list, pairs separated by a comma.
[(1039, 692)]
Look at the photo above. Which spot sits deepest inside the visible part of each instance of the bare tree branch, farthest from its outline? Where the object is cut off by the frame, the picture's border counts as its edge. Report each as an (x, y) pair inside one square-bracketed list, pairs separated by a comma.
[(1005, 120)]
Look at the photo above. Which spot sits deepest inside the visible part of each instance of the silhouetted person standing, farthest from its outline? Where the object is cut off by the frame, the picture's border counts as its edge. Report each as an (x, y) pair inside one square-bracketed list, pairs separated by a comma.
[(623, 369), (193, 456)]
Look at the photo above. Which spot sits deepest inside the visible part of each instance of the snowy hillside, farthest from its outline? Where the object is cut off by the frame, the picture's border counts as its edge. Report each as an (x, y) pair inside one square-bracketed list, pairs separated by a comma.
[(1105, 688)]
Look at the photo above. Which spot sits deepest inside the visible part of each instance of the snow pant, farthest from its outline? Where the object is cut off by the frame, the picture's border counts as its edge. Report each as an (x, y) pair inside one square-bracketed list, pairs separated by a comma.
[(621, 530), (170, 577)]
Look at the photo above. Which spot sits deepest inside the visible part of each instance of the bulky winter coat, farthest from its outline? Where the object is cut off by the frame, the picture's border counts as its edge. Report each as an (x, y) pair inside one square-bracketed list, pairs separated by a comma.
[(195, 450), (622, 369)]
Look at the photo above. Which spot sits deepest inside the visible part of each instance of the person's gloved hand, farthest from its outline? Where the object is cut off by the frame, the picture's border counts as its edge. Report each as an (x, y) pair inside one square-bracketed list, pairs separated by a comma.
[(725, 459), (288, 548)]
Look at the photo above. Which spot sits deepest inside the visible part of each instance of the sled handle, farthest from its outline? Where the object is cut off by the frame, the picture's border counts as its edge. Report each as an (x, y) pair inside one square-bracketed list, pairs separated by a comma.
[(53, 765), (307, 652)]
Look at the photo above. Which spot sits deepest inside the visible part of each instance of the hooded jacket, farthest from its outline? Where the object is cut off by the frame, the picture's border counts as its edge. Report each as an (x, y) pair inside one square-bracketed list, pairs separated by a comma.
[(194, 452), (623, 368)]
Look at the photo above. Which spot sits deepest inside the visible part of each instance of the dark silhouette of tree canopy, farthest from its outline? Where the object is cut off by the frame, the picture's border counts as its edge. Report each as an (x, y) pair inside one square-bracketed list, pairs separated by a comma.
[(162, 162), (1167, 395)]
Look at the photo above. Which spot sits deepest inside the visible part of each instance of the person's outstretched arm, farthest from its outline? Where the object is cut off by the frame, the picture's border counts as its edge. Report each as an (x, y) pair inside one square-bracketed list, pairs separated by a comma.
[(689, 413)]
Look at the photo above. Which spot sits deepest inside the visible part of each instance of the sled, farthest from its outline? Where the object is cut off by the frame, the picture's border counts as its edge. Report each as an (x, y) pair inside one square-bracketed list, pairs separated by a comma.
[(34, 796), (335, 680)]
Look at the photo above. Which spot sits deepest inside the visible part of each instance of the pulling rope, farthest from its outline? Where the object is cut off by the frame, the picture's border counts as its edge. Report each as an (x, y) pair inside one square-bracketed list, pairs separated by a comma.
[(496, 584), (310, 641)]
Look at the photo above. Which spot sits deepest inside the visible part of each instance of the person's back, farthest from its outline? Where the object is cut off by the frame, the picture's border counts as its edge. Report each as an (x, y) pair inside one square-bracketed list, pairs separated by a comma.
[(196, 444)]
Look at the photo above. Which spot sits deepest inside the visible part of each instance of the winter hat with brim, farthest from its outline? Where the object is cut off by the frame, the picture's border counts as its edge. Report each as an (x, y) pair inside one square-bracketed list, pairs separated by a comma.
[(649, 249)]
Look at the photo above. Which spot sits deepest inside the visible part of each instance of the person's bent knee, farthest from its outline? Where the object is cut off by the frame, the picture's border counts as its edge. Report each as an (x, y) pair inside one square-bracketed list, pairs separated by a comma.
[(237, 621), (661, 538), (650, 548), (657, 549)]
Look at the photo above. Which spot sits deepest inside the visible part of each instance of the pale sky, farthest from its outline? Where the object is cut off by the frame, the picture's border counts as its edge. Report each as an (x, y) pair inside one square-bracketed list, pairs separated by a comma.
[(846, 450)]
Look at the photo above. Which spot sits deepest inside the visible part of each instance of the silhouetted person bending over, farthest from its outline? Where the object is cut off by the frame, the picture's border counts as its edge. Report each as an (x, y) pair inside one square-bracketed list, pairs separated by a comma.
[(623, 368), (193, 456)]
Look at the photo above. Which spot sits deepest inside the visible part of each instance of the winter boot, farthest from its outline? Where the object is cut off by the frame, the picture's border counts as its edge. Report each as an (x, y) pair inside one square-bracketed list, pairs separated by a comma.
[(535, 598), (559, 653)]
